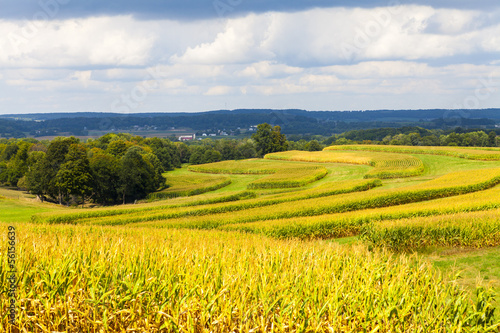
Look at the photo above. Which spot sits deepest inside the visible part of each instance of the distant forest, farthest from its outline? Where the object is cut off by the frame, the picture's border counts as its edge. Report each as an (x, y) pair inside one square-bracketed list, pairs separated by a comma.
[(237, 122)]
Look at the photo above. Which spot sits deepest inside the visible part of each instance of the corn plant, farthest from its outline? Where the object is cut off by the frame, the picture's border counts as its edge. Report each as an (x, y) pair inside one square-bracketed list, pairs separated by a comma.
[(86, 279)]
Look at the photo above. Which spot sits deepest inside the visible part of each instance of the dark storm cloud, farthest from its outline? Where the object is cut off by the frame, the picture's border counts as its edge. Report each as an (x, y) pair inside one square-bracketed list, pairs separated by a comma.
[(197, 9)]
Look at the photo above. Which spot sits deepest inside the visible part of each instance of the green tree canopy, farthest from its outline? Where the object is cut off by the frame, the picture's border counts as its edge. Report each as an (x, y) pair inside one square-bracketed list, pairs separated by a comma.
[(269, 139), (136, 176), (75, 176), (38, 177), (105, 171), (313, 145)]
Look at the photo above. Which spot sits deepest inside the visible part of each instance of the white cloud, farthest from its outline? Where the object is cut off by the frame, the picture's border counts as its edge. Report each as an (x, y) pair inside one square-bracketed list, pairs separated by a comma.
[(336, 35), (97, 41), (382, 69), (238, 43), (381, 57), (265, 69), (84, 77), (219, 90)]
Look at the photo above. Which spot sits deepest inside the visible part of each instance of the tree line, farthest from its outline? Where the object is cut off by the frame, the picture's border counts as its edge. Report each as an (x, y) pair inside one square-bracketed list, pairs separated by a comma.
[(112, 169), (417, 136), (115, 167)]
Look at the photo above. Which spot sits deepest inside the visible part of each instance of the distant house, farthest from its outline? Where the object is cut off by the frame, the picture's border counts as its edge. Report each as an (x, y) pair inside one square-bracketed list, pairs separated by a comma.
[(212, 134), (187, 137)]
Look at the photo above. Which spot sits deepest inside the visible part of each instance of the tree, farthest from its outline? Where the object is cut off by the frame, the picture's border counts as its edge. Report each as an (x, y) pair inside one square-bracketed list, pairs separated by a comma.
[(313, 146), (211, 155), (159, 180), (104, 168), (492, 139), (227, 149), (9, 152), (183, 151), (196, 155), (38, 177), (117, 148), (430, 140), (75, 176), (279, 140), (246, 150), (269, 139), (17, 165), (57, 150), (166, 152), (136, 176), (56, 154)]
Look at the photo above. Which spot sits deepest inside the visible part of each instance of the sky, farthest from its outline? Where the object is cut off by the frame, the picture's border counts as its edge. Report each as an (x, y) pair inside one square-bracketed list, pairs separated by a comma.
[(198, 55)]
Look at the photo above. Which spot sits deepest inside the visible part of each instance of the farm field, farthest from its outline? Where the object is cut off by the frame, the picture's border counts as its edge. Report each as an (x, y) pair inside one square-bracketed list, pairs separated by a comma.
[(353, 238), (179, 185)]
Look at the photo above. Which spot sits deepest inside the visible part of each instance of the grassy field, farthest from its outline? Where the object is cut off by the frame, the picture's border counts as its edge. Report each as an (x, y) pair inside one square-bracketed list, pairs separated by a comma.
[(295, 242)]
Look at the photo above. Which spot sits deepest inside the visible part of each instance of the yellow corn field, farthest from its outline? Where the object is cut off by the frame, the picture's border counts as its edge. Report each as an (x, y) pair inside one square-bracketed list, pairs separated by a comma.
[(385, 165), (461, 152), (83, 279), (245, 246), (281, 176)]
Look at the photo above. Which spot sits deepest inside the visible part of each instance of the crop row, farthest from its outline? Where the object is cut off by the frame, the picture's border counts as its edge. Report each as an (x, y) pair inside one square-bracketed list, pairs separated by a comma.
[(84, 279), (280, 175), (185, 186), (214, 217), (241, 167), (352, 223), (240, 208), (292, 177), (472, 229), (398, 166), (386, 165), (461, 152), (323, 157), (142, 209)]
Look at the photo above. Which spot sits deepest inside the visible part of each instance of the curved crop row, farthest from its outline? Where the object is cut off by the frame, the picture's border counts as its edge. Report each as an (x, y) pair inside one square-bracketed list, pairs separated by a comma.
[(281, 175), (386, 165), (240, 167), (461, 152), (214, 217), (189, 185), (237, 209), (396, 167), (473, 229), (346, 224), (107, 212), (322, 157), (224, 203), (292, 177)]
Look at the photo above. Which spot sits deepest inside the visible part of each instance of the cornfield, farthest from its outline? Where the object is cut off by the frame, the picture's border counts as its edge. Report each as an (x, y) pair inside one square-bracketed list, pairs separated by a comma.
[(204, 209), (280, 175), (461, 152), (385, 165), (82, 279), (243, 259), (473, 229)]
